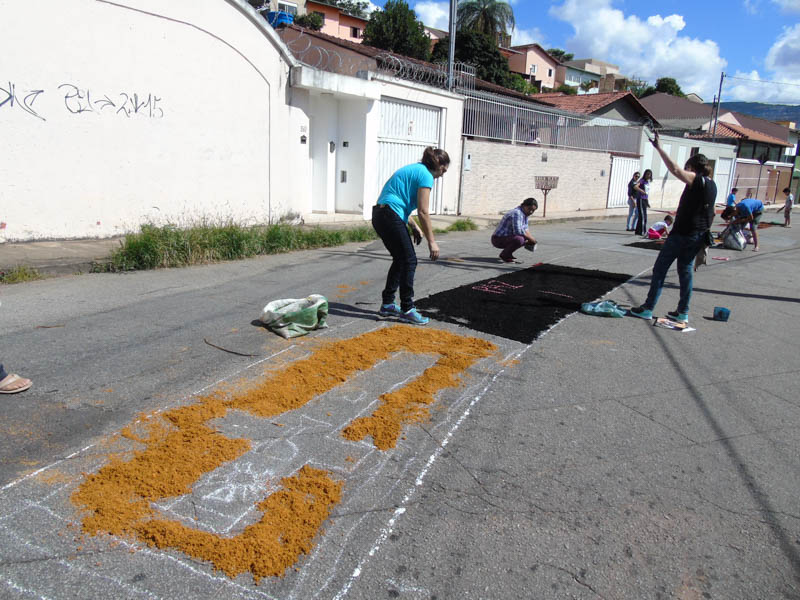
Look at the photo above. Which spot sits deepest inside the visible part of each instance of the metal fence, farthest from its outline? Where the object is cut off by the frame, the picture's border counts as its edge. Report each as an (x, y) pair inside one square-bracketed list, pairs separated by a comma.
[(496, 117)]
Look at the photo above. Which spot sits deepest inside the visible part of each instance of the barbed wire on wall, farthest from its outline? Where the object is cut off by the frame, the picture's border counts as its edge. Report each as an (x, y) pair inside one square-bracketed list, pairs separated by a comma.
[(430, 74), (309, 51)]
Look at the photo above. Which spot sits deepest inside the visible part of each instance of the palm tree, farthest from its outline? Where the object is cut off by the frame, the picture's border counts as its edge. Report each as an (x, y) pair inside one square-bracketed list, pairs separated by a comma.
[(487, 16)]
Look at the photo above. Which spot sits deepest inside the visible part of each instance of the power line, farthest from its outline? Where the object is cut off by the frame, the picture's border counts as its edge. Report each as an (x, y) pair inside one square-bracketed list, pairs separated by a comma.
[(762, 81)]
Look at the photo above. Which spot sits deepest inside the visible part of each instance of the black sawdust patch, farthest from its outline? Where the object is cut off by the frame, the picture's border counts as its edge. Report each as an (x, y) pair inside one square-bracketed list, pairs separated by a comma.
[(649, 245), (522, 304)]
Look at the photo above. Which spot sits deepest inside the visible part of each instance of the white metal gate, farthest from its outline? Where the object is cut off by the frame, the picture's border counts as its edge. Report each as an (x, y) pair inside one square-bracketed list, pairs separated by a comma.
[(406, 129), (622, 169), (722, 177)]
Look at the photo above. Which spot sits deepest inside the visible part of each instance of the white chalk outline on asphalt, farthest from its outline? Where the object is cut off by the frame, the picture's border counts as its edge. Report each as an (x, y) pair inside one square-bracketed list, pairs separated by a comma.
[(389, 527), (186, 397), (400, 510)]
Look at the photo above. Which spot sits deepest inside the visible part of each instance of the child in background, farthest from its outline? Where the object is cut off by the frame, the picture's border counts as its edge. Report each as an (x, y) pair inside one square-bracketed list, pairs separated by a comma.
[(787, 208), (660, 230)]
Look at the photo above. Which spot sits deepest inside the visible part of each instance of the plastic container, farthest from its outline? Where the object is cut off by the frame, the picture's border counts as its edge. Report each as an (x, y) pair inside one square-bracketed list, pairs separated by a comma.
[(277, 18), (721, 313)]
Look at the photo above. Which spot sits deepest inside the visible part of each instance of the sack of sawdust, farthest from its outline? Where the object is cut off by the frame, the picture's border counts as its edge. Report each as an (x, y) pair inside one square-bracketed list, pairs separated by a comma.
[(292, 317)]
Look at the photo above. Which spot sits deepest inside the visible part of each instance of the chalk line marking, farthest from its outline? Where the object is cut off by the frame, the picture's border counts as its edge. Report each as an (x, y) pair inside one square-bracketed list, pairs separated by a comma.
[(410, 492), (401, 509), (190, 395), (23, 590)]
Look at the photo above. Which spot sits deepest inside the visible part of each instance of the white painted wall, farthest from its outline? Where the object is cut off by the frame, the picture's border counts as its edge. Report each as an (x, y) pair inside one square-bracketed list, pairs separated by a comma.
[(143, 110), (451, 119), (666, 189)]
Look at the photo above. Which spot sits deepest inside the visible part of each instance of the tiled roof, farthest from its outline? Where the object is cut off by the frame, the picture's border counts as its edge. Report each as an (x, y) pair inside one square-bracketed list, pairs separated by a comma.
[(590, 103), (729, 130), (664, 106)]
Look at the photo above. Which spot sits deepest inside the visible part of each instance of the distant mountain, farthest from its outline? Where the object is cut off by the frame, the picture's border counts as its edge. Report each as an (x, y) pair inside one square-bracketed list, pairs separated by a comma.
[(770, 112)]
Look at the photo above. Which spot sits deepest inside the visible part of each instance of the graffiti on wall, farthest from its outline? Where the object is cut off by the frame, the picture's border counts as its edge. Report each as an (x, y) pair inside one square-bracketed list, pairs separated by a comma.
[(78, 100)]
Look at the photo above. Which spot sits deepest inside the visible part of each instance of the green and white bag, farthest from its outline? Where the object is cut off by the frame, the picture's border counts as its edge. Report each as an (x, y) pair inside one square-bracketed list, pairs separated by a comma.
[(294, 317)]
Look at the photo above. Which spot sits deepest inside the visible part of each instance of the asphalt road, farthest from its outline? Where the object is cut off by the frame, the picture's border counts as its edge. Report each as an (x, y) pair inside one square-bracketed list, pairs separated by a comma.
[(607, 459)]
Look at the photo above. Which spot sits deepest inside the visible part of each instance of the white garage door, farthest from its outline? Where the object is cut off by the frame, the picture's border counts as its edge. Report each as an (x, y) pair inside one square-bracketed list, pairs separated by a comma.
[(406, 129), (622, 169)]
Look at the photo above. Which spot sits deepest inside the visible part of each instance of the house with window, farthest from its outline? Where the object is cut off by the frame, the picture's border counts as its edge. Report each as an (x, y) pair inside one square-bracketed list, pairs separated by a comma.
[(760, 146), (534, 64), (590, 76), (337, 23)]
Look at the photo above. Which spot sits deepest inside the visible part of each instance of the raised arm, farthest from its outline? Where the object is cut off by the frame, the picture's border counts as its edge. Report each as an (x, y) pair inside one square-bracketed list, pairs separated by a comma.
[(685, 176)]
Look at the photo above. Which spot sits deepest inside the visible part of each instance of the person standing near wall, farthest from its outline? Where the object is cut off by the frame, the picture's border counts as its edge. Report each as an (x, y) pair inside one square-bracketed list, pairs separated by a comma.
[(407, 190), (787, 208), (632, 212), (642, 203), (692, 220)]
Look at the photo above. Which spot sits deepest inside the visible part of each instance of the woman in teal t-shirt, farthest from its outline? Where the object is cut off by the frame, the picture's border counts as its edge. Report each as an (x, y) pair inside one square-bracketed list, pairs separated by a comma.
[(407, 190)]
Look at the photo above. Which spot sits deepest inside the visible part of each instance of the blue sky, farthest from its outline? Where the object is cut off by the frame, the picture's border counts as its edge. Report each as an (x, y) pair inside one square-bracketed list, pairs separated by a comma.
[(690, 40)]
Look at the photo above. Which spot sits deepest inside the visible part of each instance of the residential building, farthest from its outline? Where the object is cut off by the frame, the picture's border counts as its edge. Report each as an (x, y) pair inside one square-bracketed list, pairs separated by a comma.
[(620, 106), (591, 76), (762, 162), (534, 64), (335, 22)]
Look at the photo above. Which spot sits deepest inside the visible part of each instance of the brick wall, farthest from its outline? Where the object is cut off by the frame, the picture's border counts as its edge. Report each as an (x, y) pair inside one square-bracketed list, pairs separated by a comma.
[(502, 175)]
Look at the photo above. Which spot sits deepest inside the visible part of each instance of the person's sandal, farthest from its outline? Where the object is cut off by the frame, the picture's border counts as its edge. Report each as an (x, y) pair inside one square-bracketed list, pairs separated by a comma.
[(14, 384)]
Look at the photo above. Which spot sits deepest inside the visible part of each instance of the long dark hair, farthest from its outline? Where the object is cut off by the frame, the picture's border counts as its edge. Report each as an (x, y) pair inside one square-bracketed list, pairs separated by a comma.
[(433, 158), (646, 173), (699, 164)]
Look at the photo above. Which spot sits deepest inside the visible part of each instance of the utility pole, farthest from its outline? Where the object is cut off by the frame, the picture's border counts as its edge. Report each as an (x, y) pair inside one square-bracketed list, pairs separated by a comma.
[(716, 113), (451, 55)]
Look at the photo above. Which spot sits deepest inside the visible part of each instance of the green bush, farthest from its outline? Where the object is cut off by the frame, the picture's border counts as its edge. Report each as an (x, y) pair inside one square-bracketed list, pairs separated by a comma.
[(156, 247), (20, 274)]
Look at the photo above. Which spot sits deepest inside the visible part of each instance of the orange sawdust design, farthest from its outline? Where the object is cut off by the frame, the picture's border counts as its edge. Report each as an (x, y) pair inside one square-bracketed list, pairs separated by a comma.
[(292, 517), (410, 403), (179, 446)]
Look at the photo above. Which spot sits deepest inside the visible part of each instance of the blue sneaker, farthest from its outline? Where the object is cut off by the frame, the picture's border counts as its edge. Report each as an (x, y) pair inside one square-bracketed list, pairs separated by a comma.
[(390, 310), (679, 317), (413, 316), (642, 313)]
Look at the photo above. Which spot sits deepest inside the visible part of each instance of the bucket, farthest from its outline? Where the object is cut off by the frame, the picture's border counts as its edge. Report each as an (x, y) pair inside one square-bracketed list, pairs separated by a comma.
[(721, 313)]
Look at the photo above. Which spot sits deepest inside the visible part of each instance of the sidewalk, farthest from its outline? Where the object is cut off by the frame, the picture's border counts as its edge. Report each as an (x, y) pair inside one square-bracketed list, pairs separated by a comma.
[(68, 257)]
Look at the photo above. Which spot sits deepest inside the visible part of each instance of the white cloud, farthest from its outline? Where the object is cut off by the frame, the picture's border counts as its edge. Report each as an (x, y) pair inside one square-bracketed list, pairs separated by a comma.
[(520, 37), (788, 5), (644, 49), (434, 14), (753, 6), (372, 7)]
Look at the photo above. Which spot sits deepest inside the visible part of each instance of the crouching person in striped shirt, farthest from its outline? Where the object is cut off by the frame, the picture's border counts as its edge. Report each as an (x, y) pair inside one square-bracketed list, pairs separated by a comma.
[(512, 232)]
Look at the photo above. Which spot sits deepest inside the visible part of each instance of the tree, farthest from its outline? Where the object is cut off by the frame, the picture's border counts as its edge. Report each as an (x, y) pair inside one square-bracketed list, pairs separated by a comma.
[(560, 55), (396, 28), (668, 85), (310, 21), (588, 85), (486, 16), (476, 49), (351, 7)]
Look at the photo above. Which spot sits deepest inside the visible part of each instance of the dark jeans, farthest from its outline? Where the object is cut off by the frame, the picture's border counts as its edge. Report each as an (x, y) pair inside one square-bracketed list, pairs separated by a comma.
[(683, 248), (3, 373), (509, 244), (395, 236), (641, 216)]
